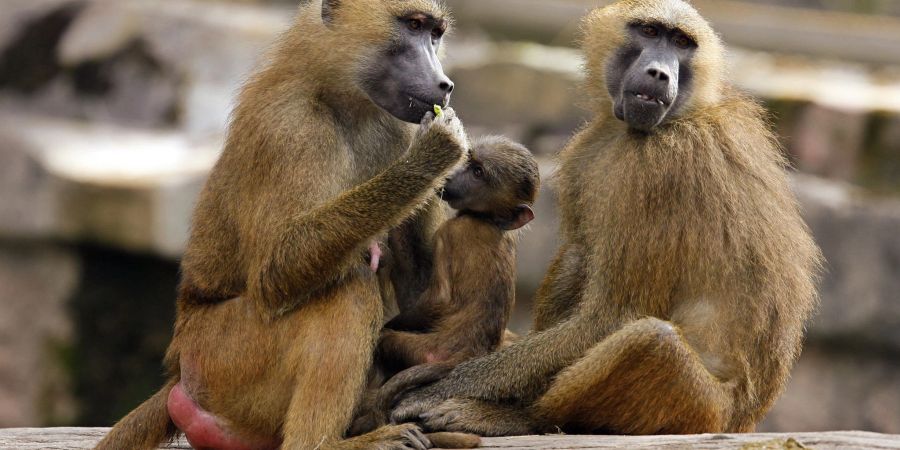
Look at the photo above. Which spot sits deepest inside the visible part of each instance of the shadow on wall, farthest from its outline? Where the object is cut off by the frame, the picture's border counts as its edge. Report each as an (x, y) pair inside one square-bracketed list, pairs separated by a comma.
[(124, 307)]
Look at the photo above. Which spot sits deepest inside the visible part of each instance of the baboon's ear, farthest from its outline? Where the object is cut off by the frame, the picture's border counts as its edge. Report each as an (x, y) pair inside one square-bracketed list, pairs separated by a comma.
[(524, 214), (328, 9)]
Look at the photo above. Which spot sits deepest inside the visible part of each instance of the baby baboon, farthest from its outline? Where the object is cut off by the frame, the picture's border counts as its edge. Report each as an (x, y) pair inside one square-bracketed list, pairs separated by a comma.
[(678, 298), (278, 310), (464, 311)]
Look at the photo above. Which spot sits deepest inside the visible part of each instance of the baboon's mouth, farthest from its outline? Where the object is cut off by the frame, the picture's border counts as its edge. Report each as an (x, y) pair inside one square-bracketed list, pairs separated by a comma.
[(418, 102), (415, 108), (449, 195), (415, 101), (648, 98)]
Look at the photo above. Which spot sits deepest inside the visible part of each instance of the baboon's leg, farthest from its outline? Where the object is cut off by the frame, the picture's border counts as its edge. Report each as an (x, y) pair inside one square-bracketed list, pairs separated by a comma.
[(399, 350), (642, 379), (329, 358)]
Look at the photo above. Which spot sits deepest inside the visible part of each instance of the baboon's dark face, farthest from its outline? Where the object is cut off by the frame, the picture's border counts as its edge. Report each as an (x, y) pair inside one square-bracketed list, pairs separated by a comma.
[(407, 78), (650, 77), (472, 188)]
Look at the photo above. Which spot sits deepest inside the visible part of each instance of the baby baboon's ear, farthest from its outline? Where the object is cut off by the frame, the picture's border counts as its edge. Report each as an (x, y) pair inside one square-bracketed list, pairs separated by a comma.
[(524, 214), (328, 9)]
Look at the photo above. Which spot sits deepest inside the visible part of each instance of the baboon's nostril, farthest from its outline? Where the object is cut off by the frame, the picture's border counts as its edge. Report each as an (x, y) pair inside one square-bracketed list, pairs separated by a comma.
[(658, 74)]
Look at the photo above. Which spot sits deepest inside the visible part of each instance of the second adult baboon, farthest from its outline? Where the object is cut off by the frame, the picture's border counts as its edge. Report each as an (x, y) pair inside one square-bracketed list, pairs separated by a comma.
[(464, 311), (678, 299), (278, 309)]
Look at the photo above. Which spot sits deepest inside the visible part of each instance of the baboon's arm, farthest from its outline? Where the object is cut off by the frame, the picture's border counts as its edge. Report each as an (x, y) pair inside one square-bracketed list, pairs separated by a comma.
[(315, 248), (433, 303), (518, 373), (561, 289), (412, 252)]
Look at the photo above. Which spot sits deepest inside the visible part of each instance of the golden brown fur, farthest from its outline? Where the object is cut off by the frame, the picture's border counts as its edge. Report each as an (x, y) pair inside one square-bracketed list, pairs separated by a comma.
[(678, 298), (465, 309), (464, 312), (278, 311)]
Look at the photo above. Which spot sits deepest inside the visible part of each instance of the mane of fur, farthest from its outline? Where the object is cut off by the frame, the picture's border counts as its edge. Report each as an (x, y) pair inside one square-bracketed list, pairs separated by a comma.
[(711, 210)]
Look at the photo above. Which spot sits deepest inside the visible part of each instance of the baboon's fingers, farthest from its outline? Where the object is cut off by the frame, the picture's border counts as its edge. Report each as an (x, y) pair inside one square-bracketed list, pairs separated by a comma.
[(454, 440)]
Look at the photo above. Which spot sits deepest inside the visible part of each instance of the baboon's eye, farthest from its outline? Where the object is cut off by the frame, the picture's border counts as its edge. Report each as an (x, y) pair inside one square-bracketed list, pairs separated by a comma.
[(649, 31), (437, 33), (682, 41), (478, 171), (415, 24)]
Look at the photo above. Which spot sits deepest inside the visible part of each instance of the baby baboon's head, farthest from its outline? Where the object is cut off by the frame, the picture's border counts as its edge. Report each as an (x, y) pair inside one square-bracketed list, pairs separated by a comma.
[(500, 182)]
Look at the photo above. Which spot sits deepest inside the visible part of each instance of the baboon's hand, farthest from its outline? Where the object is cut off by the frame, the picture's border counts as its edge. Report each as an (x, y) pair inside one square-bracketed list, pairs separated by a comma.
[(398, 437), (441, 140), (475, 416), (416, 403)]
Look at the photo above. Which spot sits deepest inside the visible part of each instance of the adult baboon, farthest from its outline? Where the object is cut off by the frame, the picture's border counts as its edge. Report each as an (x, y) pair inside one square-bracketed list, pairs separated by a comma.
[(278, 309), (677, 301)]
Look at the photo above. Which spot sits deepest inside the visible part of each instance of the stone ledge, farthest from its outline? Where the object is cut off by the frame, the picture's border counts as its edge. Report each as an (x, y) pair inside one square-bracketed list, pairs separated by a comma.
[(84, 438), (127, 188)]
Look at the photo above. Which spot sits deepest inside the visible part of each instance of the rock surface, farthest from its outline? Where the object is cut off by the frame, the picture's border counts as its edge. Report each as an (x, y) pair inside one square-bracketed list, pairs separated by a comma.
[(131, 61), (84, 438), (35, 283), (860, 238), (100, 183), (835, 387), (753, 441)]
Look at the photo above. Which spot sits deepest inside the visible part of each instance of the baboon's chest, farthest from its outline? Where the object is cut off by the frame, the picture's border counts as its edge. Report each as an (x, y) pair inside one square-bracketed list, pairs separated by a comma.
[(373, 149)]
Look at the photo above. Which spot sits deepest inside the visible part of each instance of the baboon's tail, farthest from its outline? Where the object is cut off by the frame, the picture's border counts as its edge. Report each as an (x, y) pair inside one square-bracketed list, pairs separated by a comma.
[(146, 427)]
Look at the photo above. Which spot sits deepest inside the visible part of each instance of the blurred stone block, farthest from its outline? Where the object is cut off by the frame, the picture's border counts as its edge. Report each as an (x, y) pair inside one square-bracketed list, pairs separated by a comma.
[(126, 84), (540, 240), (528, 88), (537, 247), (35, 283), (827, 142), (27, 190), (880, 161), (839, 390), (15, 14), (860, 238), (132, 62), (129, 189)]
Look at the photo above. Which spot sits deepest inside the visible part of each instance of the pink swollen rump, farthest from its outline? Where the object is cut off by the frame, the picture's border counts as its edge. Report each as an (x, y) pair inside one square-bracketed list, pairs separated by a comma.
[(204, 430)]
